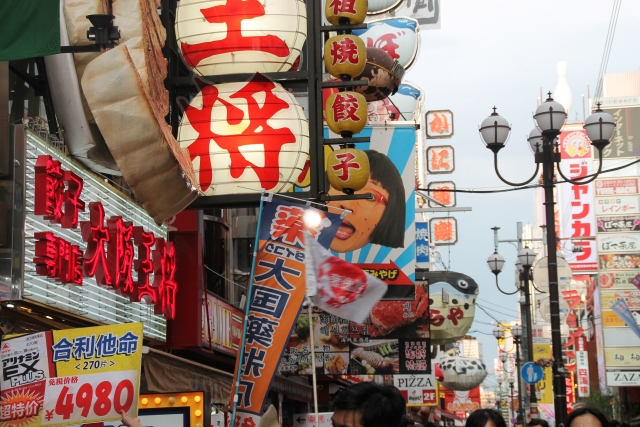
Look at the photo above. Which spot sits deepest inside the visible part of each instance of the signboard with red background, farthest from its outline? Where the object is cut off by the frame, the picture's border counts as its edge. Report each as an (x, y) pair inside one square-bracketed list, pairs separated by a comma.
[(576, 201)]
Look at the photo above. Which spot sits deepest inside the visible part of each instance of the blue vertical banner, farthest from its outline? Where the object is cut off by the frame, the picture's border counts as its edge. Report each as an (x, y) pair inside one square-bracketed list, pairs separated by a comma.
[(422, 244)]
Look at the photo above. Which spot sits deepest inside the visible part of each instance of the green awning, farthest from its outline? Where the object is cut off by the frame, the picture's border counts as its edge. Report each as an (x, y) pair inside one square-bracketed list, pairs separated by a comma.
[(29, 28)]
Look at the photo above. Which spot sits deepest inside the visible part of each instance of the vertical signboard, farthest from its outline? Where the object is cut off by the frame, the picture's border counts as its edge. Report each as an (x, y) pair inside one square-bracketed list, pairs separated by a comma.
[(440, 159), (625, 141), (422, 244), (576, 202), (444, 231)]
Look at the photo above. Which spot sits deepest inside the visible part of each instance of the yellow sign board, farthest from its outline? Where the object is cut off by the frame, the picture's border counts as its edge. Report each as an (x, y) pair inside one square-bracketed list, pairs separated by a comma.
[(545, 386), (622, 357), (611, 320)]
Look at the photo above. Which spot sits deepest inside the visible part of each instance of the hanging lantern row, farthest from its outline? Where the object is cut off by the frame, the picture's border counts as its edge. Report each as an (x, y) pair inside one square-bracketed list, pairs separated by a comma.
[(345, 57)]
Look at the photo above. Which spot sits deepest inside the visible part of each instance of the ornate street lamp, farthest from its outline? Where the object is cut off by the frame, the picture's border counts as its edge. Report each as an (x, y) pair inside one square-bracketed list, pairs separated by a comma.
[(550, 118)]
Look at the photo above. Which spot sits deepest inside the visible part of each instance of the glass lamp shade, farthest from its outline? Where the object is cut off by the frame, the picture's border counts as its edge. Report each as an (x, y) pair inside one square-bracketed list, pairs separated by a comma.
[(512, 380), (600, 127), (241, 36), (495, 262), (497, 332), (499, 379), (519, 266), (494, 131), (503, 357), (535, 140), (550, 116), (516, 331), (526, 256)]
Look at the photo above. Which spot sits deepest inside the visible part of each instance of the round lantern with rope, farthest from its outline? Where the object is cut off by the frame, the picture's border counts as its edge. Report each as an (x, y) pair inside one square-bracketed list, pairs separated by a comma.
[(348, 169), (345, 56), (340, 12)]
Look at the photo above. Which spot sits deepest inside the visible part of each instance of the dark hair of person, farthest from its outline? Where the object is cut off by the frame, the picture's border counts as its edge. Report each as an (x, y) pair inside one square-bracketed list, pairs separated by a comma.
[(390, 230), (615, 423), (537, 422), (481, 417), (584, 411), (380, 405)]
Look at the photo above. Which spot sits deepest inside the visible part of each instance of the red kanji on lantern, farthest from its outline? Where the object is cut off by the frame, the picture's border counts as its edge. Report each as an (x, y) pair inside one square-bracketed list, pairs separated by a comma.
[(345, 107), (233, 13), (343, 6), (343, 51), (143, 290), (345, 164), (96, 235), (120, 254), (257, 132), (164, 270)]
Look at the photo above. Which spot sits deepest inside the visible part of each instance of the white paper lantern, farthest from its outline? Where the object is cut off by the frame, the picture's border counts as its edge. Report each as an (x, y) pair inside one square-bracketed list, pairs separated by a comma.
[(462, 373), (252, 135), (380, 6), (240, 36)]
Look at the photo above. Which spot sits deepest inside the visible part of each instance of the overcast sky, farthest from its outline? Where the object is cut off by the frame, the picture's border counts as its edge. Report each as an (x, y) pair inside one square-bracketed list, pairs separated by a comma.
[(500, 52)]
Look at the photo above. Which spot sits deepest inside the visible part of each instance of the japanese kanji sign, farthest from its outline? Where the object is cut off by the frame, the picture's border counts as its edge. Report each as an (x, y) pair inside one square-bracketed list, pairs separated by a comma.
[(444, 231), (439, 124), (252, 134), (440, 159), (222, 37), (576, 201), (618, 224), (616, 186), (612, 243), (625, 142), (114, 250), (276, 299), (71, 376), (617, 205), (422, 244), (442, 194)]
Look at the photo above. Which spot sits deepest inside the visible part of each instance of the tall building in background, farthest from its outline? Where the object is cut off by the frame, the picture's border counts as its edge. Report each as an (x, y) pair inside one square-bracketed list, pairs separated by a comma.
[(471, 347)]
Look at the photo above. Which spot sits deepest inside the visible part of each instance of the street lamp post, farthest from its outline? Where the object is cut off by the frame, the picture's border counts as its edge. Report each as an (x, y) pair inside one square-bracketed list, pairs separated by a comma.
[(550, 118), (516, 333), (512, 380)]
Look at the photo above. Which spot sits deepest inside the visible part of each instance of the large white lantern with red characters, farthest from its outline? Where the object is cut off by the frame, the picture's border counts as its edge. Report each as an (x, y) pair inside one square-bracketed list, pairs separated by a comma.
[(240, 36), (243, 137)]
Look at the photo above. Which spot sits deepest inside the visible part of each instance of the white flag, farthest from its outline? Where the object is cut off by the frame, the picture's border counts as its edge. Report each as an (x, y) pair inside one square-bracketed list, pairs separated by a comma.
[(339, 287)]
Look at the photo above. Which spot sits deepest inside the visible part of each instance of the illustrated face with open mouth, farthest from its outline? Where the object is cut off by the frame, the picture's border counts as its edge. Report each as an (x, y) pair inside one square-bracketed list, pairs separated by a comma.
[(357, 227)]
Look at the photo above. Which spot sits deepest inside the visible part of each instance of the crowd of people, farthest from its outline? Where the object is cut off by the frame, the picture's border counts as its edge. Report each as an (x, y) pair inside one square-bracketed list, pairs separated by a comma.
[(374, 405)]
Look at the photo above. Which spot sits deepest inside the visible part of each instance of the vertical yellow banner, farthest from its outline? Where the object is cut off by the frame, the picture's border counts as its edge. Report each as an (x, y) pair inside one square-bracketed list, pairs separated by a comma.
[(544, 386)]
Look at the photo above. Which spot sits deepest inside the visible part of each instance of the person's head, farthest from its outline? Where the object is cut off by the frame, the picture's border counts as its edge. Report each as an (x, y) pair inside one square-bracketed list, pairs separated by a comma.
[(586, 417), (368, 405), (380, 221), (485, 418), (537, 422), (615, 423)]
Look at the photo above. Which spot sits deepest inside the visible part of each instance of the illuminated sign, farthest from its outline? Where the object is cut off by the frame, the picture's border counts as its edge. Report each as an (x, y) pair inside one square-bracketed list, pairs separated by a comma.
[(89, 249)]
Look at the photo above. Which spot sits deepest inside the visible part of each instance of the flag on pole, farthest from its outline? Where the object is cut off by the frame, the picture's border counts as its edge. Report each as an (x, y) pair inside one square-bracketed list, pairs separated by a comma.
[(276, 296), (621, 308), (29, 29), (339, 287)]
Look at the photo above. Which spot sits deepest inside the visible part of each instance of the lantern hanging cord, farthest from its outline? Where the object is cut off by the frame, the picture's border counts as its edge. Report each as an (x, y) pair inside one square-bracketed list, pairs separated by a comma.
[(307, 202)]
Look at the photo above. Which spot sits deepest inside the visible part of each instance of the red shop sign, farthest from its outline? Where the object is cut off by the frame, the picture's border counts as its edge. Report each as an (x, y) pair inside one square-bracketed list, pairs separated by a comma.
[(109, 255)]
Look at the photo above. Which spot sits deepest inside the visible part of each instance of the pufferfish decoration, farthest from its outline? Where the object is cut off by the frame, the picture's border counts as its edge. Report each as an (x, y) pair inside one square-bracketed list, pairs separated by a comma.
[(462, 373), (452, 305)]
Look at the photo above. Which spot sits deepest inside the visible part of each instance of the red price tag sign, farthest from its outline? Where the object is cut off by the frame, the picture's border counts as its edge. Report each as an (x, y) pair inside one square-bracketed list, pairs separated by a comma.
[(92, 397)]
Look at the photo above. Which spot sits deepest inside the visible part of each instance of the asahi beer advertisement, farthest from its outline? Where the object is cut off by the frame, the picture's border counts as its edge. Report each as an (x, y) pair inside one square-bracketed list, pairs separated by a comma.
[(618, 224), (71, 376)]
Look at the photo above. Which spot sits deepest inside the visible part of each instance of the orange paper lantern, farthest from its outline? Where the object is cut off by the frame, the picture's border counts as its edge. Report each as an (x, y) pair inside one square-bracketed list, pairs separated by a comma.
[(345, 55)]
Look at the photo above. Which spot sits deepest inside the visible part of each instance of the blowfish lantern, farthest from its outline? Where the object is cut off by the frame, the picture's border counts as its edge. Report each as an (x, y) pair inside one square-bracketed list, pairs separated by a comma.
[(383, 73), (230, 36), (251, 135), (453, 305), (462, 373), (348, 169)]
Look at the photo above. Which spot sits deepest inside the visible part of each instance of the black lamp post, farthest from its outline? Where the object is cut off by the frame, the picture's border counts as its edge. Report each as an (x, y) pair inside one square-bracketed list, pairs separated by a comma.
[(550, 118)]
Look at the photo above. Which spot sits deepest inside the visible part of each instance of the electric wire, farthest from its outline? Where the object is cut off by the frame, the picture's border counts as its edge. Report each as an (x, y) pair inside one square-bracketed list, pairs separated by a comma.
[(494, 310), (611, 31), (505, 308)]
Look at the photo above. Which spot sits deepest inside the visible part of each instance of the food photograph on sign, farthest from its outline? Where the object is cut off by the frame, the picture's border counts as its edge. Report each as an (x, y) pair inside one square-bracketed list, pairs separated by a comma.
[(619, 261)]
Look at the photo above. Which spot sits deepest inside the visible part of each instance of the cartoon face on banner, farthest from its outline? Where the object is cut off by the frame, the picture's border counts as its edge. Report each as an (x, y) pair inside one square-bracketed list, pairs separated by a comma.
[(462, 373), (399, 37), (245, 135), (453, 305), (440, 159), (575, 145), (224, 37), (374, 231)]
